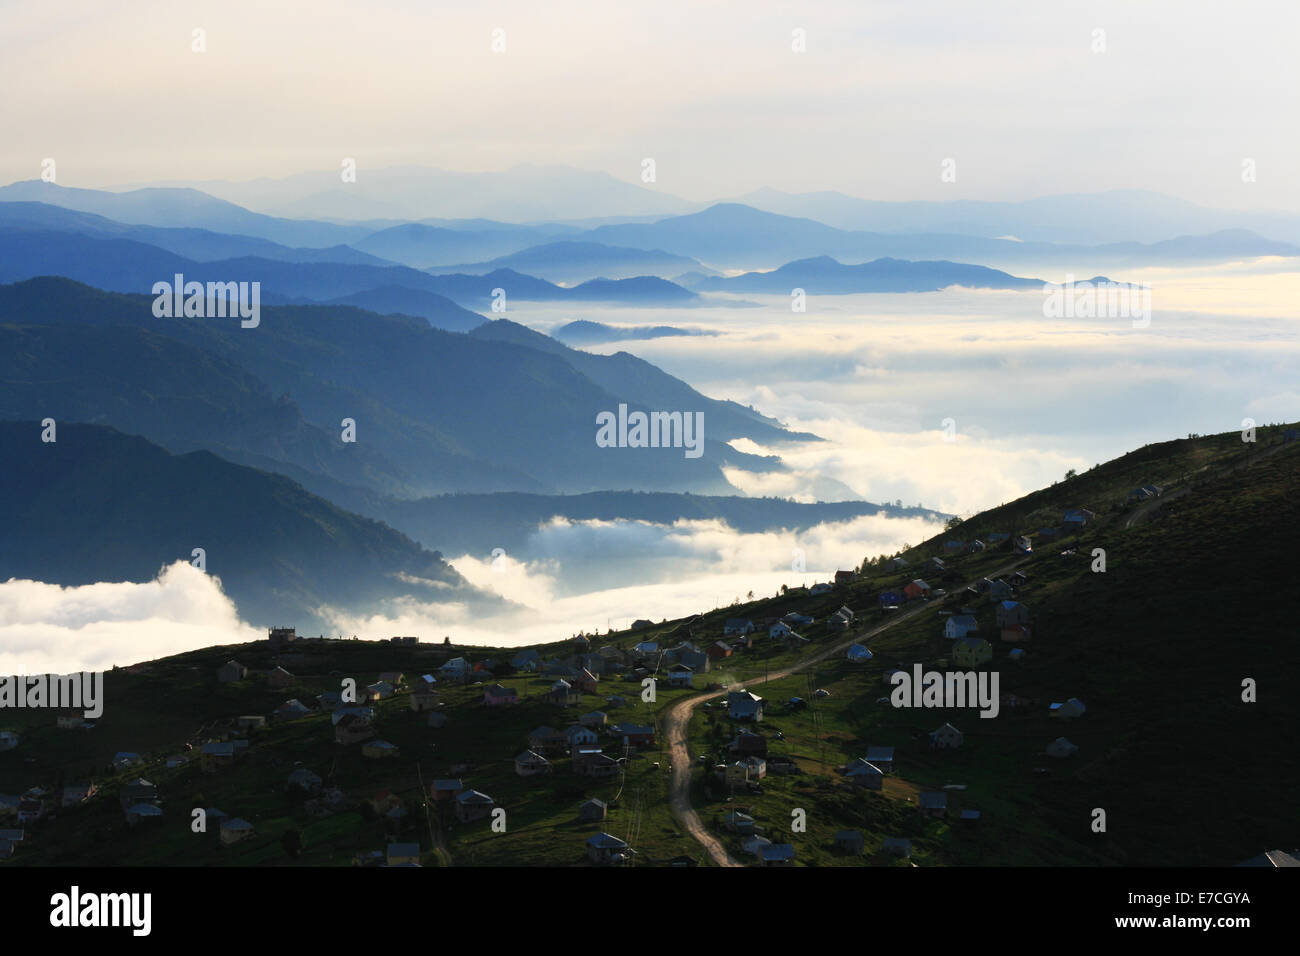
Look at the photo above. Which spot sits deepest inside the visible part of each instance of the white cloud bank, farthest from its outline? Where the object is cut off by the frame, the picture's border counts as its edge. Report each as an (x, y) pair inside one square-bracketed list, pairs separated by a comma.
[(48, 628)]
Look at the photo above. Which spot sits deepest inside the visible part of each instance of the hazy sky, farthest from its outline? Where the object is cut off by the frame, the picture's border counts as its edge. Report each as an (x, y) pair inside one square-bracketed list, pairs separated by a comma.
[(1012, 91)]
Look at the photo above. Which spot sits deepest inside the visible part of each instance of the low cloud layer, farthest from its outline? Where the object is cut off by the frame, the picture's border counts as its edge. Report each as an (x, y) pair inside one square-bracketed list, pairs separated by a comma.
[(47, 628)]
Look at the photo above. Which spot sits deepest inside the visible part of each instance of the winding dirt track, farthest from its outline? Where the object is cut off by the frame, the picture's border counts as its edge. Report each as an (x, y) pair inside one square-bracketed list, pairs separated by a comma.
[(678, 717)]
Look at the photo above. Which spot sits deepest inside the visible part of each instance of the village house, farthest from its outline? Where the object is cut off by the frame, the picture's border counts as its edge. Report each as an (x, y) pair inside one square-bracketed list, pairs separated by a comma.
[(696, 660), (1060, 747), (563, 693), (305, 780), (593, 810), (137, 791), (71, 795), (971, 651), (734, 774), (1011, 613), (424, 695), (231, 671), (858, 654), (291, 710), (378, 749), (737, 625), (845, 577), (999, 590), (850, 841), (473, 804), (837, 622), (898, 563), (882, 757), (1023, 545), (530, 764), (890, 599), (604, 848), (379, 690), (976, 546), (645, 650), (595, 720), (779, 630), (863, 773), (933, 803), (1069, 710), (777, 854), (917, 589), (576, 735), (216, 756), (959, 625), (821, 587), (635, 735), (528, 660), (494, 695), (282, 635), (235, 829), (738, 822), (742, 705), (142, 813), (1015, 634), (446, 788), (250, 722), (1144, 493), (279, 678), (746, 744), (897, 846), (1076, 518), (718, 651), (402, 854), (795, 619), (595, 764), (680, 675), (612, 654), (456, 669), (352, 728), (946, 737), (547, 740), (586, 682)]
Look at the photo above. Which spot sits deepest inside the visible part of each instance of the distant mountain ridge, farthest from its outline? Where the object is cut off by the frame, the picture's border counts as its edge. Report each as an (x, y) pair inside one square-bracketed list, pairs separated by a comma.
[(826, 276), (98, 505)]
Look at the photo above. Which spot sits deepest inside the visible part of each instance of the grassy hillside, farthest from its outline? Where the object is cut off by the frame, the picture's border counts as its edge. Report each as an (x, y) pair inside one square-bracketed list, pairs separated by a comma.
[(1195, 597)]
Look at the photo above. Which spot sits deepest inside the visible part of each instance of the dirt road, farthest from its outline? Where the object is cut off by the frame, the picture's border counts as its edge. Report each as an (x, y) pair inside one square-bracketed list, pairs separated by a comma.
[(677, 719)]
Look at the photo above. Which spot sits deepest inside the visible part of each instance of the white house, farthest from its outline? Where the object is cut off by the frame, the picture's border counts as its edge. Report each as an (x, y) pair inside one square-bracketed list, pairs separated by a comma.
[(959, 625)]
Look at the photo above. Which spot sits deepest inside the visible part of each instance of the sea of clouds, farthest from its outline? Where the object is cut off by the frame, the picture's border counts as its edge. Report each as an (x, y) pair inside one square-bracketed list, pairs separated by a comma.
[(876, 376)]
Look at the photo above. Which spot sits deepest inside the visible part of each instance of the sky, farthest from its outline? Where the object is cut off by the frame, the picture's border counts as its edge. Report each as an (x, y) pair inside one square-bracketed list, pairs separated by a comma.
[(1026, 97)]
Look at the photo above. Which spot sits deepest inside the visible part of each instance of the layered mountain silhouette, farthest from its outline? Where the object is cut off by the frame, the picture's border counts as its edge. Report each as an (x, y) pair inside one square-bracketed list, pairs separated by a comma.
[(435, 411), (98, 505), (825, 276)]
